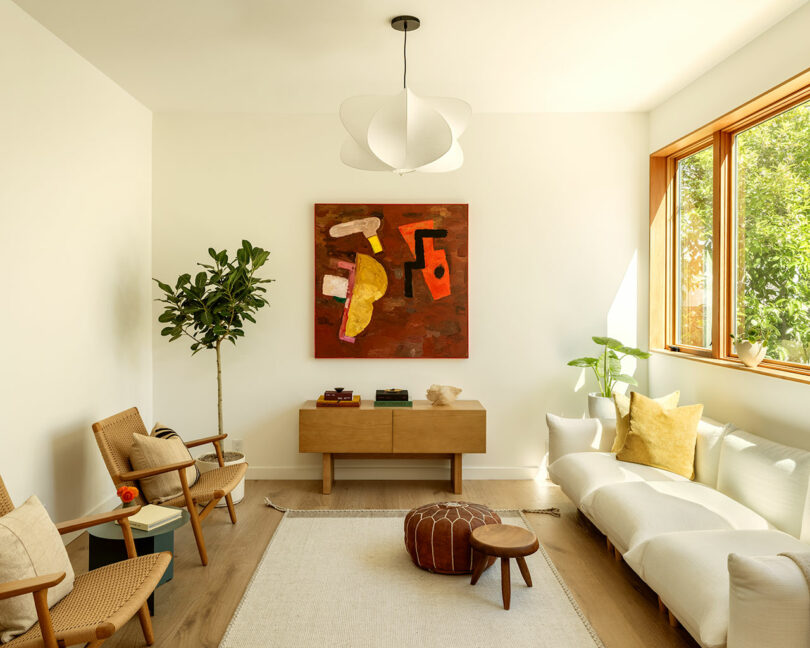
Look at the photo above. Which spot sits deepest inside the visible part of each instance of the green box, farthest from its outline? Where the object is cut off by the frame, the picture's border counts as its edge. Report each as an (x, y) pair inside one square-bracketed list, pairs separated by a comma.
[(393, 403)]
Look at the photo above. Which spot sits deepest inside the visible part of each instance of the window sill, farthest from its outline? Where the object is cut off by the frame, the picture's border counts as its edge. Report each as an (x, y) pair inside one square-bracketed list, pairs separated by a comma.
[(739, 366)]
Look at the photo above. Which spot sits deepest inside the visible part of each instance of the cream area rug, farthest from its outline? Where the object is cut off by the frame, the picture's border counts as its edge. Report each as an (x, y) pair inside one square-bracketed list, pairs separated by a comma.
[(343, 579)]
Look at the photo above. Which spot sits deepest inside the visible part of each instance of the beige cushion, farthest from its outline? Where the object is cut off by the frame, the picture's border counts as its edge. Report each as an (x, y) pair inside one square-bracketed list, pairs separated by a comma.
[(622, 402), (153, 452), (662, 438), (768, 603), (30, 546)]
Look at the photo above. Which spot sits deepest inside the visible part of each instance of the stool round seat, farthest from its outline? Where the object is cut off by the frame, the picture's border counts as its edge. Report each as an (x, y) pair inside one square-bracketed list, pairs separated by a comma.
[(504, 540)]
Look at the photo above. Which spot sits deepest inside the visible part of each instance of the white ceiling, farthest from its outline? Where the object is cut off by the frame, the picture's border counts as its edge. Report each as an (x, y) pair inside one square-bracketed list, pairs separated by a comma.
[(292, 56)]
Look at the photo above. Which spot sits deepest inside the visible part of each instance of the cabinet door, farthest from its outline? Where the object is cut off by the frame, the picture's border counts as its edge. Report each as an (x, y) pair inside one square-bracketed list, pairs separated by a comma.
[(349, 430), (438, 430)]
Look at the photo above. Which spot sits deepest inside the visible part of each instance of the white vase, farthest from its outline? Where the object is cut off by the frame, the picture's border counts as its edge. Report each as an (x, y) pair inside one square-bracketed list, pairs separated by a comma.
[(209, 462), (751, 353), (600, 406)]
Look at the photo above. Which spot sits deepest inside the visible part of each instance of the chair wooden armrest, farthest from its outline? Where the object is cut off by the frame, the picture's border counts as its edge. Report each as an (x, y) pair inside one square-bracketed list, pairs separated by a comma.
[(93, 520), (30, 585), (199, 442), (135, 475)]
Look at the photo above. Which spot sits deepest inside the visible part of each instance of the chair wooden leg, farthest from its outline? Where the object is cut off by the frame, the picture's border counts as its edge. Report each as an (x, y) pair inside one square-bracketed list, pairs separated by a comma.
[(44, 616), (206, 511), (524, 570), (195, 520), (231, 509), (146, 624), (506, 583)]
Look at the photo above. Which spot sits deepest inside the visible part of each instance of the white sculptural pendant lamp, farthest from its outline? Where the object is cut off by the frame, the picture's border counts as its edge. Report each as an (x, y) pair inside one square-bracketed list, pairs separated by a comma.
[(404, 132)]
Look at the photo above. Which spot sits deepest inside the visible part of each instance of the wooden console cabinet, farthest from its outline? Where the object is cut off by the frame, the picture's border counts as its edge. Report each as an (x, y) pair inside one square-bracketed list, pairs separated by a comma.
[(369, 432)]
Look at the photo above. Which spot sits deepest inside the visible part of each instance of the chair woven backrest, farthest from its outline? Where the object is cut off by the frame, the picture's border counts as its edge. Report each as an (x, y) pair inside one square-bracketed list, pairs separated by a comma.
[(114, 439), (6, 505)]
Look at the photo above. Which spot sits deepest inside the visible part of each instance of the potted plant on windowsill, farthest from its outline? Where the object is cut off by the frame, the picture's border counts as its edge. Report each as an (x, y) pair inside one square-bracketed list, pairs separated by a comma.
[(750, 349), (607, 367)]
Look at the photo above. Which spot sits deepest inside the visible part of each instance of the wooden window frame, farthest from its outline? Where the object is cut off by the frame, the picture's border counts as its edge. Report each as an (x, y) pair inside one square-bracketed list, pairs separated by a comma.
[(719, 134)]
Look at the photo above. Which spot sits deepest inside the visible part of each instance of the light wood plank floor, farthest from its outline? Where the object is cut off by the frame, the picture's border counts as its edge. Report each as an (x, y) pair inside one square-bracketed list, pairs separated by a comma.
[(193, 610)]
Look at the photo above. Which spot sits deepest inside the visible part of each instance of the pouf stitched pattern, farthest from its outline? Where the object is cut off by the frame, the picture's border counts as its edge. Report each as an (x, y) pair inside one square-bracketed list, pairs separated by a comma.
[(437, 536)]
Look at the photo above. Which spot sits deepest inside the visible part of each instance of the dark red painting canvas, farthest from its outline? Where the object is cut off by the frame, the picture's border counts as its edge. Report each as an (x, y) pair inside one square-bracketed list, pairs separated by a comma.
[(391, 281)]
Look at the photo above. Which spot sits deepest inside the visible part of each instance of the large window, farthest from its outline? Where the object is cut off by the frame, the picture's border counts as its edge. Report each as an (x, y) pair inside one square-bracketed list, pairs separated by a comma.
[(730, 233), (772, 234), (694, 226)]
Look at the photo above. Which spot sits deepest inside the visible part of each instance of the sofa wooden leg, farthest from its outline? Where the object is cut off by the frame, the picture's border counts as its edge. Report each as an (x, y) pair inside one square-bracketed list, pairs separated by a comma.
[(616, 555), (609, 544), (672, 620), (661, 607)]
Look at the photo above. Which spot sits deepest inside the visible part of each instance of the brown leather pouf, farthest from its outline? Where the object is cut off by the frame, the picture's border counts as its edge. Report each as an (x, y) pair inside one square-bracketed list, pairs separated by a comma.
[(437, 536)]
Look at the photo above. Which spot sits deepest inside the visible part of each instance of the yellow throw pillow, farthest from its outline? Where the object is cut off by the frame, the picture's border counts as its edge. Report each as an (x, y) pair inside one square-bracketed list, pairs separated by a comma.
[(622, 403), (662, 438)]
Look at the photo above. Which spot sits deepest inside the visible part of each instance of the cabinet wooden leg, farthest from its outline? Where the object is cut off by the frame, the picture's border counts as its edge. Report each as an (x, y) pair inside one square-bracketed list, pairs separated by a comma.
[(455, 473), (506, 583), (328, 472)]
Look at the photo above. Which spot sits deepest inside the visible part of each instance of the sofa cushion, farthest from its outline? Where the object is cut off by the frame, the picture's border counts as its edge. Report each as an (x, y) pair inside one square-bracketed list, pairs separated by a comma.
[(569, 435), (710, 435), (633, 512), (661, 437), (689, 571), (768, 603), (622, 402), (580, 474), (768, 477)]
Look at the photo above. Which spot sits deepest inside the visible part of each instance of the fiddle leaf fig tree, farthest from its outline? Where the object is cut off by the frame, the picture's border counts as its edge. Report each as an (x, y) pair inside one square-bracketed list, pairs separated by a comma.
[(607, 366), (214, 305)]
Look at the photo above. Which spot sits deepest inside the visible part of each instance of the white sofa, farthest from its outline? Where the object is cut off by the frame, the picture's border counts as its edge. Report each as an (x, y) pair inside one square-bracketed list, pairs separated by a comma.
[(710, 547)]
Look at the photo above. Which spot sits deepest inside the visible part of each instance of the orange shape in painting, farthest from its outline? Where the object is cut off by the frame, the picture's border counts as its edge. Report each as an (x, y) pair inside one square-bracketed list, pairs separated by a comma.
[(436, 272)]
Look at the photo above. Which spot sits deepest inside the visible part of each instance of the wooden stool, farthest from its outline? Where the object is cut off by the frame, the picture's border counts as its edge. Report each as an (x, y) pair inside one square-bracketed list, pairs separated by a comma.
[(504, 541)]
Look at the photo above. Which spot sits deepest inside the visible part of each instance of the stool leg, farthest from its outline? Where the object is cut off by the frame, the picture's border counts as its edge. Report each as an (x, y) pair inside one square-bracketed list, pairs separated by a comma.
[(506, 583), (524, 569), (479, 564)]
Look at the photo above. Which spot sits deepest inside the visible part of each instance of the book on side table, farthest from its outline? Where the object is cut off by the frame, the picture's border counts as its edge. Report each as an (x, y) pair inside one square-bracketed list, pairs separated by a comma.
[(152, 516)]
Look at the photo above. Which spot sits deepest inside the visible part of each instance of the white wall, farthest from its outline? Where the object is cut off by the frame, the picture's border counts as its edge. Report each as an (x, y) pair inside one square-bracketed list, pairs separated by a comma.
[(773, 57), (764, 405), (558, 244), (75, 210)]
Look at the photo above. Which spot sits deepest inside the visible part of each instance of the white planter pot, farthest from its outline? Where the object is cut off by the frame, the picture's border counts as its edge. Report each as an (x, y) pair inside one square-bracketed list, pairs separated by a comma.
[(751, 353), (209, 462), (601, 407)]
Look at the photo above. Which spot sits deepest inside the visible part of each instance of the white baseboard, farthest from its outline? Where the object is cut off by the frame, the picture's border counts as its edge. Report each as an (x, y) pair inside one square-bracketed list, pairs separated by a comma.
[(392, 472), (109, 504)]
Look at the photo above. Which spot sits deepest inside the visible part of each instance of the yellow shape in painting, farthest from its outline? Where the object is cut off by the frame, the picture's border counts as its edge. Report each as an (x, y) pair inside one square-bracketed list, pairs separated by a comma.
[(370, 283)]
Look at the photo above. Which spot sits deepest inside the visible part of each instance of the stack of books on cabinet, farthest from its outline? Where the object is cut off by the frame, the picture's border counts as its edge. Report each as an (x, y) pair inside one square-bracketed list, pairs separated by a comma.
[(392, 398), (338, 397)]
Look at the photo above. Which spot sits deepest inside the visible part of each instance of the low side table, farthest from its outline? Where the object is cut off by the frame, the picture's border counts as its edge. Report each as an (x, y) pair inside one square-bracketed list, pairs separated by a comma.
[(504, 541), (107, 546)]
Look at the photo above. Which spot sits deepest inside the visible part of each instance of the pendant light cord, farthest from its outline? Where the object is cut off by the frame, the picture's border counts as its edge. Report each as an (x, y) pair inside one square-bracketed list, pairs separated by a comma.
[(405, 58)]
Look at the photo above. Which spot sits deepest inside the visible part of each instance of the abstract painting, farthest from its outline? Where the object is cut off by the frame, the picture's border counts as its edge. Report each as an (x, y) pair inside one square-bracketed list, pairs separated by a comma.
[(391, 281)]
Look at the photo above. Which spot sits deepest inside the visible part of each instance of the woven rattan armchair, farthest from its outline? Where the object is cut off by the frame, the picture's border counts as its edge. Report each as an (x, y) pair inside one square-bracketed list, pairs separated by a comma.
[(102, 600), (114, 438)]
